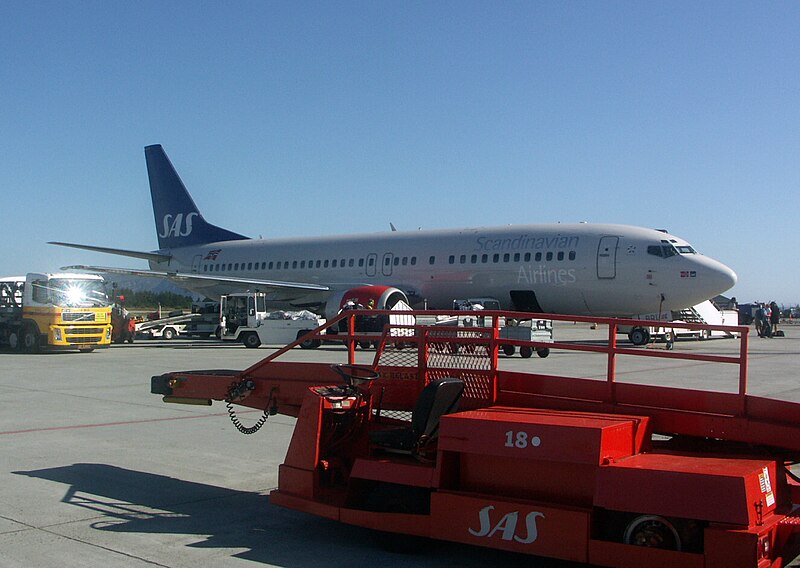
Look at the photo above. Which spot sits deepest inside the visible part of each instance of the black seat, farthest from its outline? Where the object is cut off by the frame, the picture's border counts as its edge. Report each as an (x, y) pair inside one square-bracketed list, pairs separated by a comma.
[(436, 399)]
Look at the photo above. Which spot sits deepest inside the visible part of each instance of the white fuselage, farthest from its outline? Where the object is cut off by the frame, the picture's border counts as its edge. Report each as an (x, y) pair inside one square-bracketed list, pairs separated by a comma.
[(581, 269)]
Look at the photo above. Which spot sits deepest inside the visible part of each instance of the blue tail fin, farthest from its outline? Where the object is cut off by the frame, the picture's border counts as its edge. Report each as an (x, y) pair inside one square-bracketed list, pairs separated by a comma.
[(178, 221)]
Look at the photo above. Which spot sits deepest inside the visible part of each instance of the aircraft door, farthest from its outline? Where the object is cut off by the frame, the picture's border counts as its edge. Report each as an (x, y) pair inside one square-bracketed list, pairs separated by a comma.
[(372, 262), (607, 257), (196, 263), (386, 264)]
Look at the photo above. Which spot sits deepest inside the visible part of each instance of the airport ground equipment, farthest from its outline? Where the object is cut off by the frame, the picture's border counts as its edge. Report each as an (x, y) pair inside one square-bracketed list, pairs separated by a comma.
[(431, 442), (123, 325), (167, 328), (244, 318), (704, 312), (207, 323), (54, 311), (527, 330)]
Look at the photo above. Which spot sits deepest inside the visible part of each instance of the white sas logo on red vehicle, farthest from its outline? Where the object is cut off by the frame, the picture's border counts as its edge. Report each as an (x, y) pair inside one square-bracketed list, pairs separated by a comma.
[(507, 526)]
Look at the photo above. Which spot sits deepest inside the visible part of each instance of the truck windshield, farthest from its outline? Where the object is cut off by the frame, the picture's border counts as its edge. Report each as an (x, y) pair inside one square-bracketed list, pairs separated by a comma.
[(76, 293)]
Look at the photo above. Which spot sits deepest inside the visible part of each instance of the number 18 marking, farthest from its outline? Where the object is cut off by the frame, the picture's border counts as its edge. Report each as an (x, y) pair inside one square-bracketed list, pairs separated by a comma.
[(521, 440)]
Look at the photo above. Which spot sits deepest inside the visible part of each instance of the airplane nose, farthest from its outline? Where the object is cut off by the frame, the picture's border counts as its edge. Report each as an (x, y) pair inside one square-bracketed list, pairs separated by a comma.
[(718, 277)]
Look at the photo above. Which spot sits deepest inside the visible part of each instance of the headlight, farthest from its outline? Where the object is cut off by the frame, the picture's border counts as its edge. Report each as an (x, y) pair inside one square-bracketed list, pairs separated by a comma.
[(108, 333), (57, 334)]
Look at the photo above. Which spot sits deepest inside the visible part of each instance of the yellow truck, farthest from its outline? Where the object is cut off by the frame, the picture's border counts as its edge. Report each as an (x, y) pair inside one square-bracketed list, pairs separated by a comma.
[(54, 311)]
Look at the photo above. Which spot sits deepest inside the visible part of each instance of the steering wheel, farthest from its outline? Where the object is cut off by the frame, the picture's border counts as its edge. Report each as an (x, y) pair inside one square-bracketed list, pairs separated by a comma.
[(356, 375)]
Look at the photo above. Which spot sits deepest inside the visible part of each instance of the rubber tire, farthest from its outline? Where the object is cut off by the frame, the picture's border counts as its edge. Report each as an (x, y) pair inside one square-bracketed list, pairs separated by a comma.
[(659, 527), (639, 336), (509, 350), (543, 352), (29, 342), (251, 340), (168, 334), (525, 352)]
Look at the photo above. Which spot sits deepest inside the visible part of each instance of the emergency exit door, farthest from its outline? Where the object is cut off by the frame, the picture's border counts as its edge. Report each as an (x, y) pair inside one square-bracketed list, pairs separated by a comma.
[(607, 257)]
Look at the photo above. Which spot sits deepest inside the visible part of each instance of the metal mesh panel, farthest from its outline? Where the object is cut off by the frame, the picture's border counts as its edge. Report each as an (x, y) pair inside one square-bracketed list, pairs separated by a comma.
[(459, 353)]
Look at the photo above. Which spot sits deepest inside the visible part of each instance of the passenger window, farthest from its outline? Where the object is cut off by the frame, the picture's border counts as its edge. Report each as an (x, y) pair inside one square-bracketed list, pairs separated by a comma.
[(527, 257), (452, 259), (474, 259), (405, 261), (516, 257), (506, 257), (463, 259), (413, 261), (572, 255), (397, 261), (360, 262), (484, 258), (538, 257), (561, 255), (294, 264), (432, 260), (333, 264), (549, 256), (351, 263), (496, 258), (371, 261), (325, 264)]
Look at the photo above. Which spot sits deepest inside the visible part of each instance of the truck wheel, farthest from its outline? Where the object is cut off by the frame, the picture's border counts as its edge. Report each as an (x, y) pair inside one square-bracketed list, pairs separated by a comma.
[(30, 339), (168, 334), (308, 343), (652, 531), (13, 341), (509, 350), (525, 351), (639, 336), (543, 352), (251, 340)]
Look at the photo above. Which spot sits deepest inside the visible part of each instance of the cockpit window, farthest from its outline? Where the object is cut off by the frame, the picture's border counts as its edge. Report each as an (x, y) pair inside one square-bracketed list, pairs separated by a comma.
[(666, 249)]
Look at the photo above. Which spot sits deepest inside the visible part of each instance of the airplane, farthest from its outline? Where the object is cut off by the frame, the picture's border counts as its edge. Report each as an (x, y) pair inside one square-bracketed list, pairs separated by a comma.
[(584, 269)]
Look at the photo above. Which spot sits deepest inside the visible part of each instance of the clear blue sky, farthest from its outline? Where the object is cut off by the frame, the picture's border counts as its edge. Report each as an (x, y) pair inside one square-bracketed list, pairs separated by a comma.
[(297, 118)]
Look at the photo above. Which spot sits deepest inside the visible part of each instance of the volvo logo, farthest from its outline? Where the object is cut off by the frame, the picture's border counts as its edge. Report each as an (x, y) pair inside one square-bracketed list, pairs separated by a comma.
[(176, 225)]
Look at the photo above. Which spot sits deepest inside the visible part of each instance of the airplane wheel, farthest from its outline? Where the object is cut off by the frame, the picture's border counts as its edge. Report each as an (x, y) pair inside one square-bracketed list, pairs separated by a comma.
[(251, 340), (509, 350)]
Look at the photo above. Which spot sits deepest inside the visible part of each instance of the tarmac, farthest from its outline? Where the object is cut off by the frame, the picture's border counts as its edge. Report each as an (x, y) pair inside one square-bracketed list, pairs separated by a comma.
[(96, 471)]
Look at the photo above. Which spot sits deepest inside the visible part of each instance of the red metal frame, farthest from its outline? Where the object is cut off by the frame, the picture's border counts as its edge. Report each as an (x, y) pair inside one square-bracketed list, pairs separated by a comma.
[(548, 465)]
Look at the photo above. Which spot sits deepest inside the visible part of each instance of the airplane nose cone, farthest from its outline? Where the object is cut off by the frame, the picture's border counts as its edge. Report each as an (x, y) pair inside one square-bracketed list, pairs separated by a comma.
[(717, 277)]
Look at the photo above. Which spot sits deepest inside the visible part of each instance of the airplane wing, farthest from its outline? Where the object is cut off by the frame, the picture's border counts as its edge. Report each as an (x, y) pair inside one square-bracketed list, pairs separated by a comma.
[(198, 280)]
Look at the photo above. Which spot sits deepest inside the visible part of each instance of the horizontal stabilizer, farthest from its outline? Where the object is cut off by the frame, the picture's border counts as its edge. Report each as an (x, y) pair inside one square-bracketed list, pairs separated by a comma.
[(151, 256)]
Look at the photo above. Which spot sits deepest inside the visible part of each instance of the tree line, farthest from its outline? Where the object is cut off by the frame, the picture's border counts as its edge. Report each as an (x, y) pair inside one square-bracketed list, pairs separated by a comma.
[(140, 300)]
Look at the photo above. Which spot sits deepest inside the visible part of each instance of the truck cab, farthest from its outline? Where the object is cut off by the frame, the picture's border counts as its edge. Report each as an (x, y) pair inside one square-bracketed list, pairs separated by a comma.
[(62, 310)]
